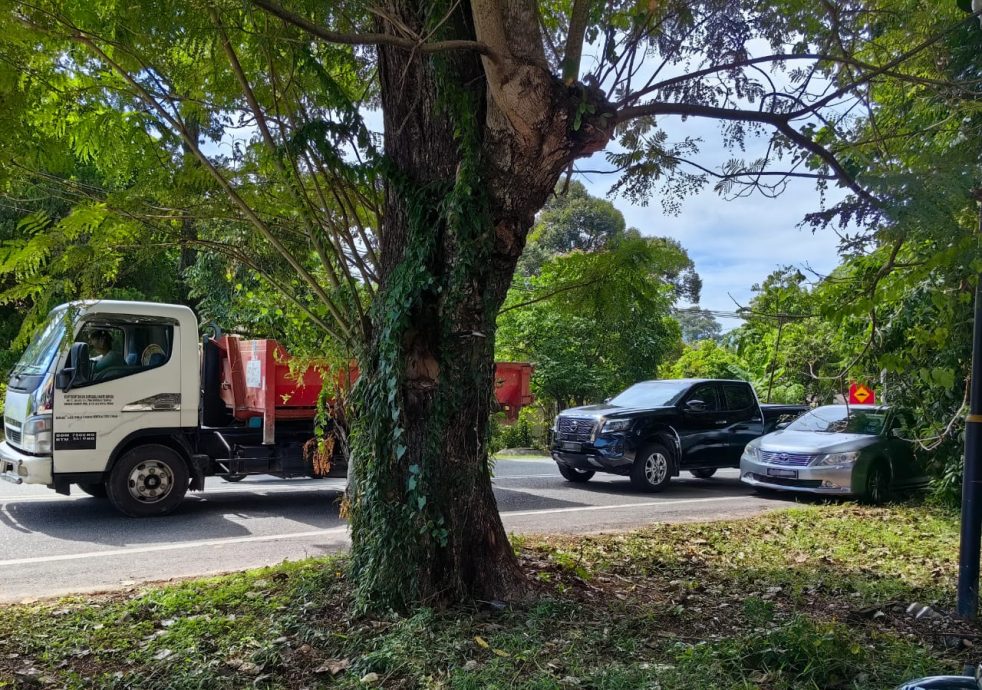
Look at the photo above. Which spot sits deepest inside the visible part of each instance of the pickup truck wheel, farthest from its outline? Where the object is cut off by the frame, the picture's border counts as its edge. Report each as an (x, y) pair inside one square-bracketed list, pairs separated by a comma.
[(147, 481), (652, 469), (571, 474), (233, 477), (703, 473), (97, 489)]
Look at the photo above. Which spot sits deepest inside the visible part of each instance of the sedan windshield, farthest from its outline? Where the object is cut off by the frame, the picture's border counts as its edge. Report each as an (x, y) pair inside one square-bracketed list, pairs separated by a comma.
[(38, 355), (651, 394), (841, 419)]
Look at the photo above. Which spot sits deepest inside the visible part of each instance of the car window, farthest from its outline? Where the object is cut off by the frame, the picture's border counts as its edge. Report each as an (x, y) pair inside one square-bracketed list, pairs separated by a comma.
[(737, 396), (120, 350), (707, 393)]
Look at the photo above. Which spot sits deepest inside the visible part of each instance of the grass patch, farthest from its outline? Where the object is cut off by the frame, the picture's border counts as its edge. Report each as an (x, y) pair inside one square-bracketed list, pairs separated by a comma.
[(807, 598)]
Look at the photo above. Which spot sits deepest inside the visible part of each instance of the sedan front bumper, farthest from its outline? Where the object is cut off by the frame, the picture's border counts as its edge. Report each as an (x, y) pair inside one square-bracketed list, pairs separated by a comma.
[(19, 468), (835, 480)]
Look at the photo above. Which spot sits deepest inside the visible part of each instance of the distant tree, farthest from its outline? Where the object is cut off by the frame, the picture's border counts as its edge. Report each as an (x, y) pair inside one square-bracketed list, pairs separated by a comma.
[(698, 324), (593, 322), (708, 360)]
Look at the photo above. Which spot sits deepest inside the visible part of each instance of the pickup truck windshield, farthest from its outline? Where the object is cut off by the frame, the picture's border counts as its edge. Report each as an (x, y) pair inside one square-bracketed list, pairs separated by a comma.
[(651, 394), (37, 358), (840, 419)]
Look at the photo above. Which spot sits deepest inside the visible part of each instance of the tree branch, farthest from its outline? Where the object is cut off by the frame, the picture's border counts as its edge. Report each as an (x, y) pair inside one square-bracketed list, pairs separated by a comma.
[(578, 18), (371, 38)]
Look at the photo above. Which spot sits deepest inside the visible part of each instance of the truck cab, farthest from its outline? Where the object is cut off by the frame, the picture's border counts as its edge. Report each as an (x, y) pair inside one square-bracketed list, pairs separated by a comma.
[(100, 379)]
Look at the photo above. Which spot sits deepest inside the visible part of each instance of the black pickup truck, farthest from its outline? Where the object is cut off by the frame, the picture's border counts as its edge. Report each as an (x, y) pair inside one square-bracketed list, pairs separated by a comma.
[(655, 429)]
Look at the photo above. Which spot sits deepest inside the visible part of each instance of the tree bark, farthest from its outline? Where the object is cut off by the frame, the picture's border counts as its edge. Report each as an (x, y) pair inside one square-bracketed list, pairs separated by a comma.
[(475, 146)]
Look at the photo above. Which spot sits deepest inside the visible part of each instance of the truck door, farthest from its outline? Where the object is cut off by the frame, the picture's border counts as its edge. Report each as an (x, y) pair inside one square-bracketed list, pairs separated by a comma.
[(133, 384), (700, 428), (744, 421)]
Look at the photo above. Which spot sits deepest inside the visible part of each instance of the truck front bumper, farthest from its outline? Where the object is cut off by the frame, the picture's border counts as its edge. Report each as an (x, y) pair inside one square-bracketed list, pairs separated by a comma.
[(604, 455), (19, 468)]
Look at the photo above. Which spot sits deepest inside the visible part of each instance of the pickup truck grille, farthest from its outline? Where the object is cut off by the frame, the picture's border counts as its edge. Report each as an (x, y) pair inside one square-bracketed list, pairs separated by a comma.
[(576, 429), (790, 459)]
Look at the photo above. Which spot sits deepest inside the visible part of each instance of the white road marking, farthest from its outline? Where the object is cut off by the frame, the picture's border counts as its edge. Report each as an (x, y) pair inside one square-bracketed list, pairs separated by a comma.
[(172, 547), (647, 504), (330, 531)]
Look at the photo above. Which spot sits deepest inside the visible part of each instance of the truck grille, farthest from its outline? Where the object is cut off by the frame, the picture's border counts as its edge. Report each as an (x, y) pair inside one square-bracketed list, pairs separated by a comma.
[(576, 429), (12, 430), (788, 459)]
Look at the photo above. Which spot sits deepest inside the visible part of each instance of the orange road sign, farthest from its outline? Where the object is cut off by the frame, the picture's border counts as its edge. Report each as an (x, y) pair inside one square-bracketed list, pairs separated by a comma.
[(861, 394)]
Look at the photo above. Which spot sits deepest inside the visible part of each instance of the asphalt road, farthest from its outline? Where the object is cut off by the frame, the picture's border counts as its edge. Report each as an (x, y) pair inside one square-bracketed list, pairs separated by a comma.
[(52, 545)]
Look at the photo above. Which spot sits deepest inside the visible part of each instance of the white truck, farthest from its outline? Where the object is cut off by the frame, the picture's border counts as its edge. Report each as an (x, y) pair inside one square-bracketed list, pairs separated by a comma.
[(123, 400)]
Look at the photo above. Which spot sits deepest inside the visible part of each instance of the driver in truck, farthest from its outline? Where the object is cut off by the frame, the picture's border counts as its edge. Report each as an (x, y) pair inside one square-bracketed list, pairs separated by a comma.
[(102, 344)]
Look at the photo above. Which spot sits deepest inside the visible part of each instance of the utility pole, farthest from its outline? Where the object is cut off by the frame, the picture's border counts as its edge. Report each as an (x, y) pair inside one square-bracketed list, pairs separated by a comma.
[(971, 532)]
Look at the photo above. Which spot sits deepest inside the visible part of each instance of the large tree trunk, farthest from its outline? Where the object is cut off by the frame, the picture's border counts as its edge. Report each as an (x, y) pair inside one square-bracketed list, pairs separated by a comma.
[(466, 178)]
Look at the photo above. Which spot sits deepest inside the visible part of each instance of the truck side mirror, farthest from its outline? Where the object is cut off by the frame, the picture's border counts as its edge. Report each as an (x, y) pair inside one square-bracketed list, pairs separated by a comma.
[(77, 368), (695, 406)]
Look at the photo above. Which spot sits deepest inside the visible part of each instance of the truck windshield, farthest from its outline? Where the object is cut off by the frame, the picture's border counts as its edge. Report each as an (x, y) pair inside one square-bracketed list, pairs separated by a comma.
[(833, 419), (38, 355), (651, 394)]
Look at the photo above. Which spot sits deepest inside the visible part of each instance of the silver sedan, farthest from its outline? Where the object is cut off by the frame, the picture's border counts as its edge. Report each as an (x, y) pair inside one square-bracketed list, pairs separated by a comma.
[(854, 450)]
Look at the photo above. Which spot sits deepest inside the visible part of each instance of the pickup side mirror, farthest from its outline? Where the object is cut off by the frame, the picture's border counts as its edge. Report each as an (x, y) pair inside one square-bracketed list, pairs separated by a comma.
[(78, 368), (695, 406)]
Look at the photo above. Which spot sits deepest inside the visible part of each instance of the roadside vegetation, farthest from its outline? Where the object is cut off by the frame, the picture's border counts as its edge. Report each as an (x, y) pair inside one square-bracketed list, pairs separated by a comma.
[(813, 597)]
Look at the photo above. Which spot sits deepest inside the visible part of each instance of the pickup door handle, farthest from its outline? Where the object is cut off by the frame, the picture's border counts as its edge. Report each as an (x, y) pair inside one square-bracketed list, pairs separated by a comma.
[(721, 422)]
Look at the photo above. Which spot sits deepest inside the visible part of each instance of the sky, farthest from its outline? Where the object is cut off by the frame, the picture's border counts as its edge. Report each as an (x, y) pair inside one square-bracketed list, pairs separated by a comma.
[(734, 243)]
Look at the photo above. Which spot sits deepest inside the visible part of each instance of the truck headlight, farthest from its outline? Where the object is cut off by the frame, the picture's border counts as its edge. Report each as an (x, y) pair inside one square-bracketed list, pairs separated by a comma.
[(836, 459), (36, 435), (612, 425), (555, 425)]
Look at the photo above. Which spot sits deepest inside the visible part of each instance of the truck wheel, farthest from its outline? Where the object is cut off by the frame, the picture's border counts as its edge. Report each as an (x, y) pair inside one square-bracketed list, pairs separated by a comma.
[(148, 480), (652, 469), (877, 490), (97, 489), (234, 477), (703, 473), (571, 474)]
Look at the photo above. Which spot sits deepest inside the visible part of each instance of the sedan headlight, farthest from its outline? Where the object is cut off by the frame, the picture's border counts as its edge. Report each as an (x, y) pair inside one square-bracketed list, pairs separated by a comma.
[(836, 459), (36, 435), (612, 425), (752, 453)]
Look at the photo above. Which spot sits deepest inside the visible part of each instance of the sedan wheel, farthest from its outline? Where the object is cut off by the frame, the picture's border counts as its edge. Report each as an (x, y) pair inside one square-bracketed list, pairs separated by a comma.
[(877, 484)]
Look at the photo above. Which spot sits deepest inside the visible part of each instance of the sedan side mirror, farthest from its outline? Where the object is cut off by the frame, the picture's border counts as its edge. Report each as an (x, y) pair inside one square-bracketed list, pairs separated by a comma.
[(695, 406), (77, 368), (781, 425)]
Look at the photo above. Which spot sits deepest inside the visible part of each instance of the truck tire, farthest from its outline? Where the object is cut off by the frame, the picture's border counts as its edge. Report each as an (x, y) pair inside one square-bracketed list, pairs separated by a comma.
[(147, 481), (703, 472), (96, 489), (652, 469), (233, 477), (571, 474)]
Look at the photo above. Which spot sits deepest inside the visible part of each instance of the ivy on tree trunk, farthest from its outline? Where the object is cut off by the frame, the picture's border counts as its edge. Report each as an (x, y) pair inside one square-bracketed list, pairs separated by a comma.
[(468, 166)]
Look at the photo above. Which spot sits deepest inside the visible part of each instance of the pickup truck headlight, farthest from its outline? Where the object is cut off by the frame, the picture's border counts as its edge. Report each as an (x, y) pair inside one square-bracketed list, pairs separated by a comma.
[(36, 435), (612, 425), (836, 459), (555, 425)]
